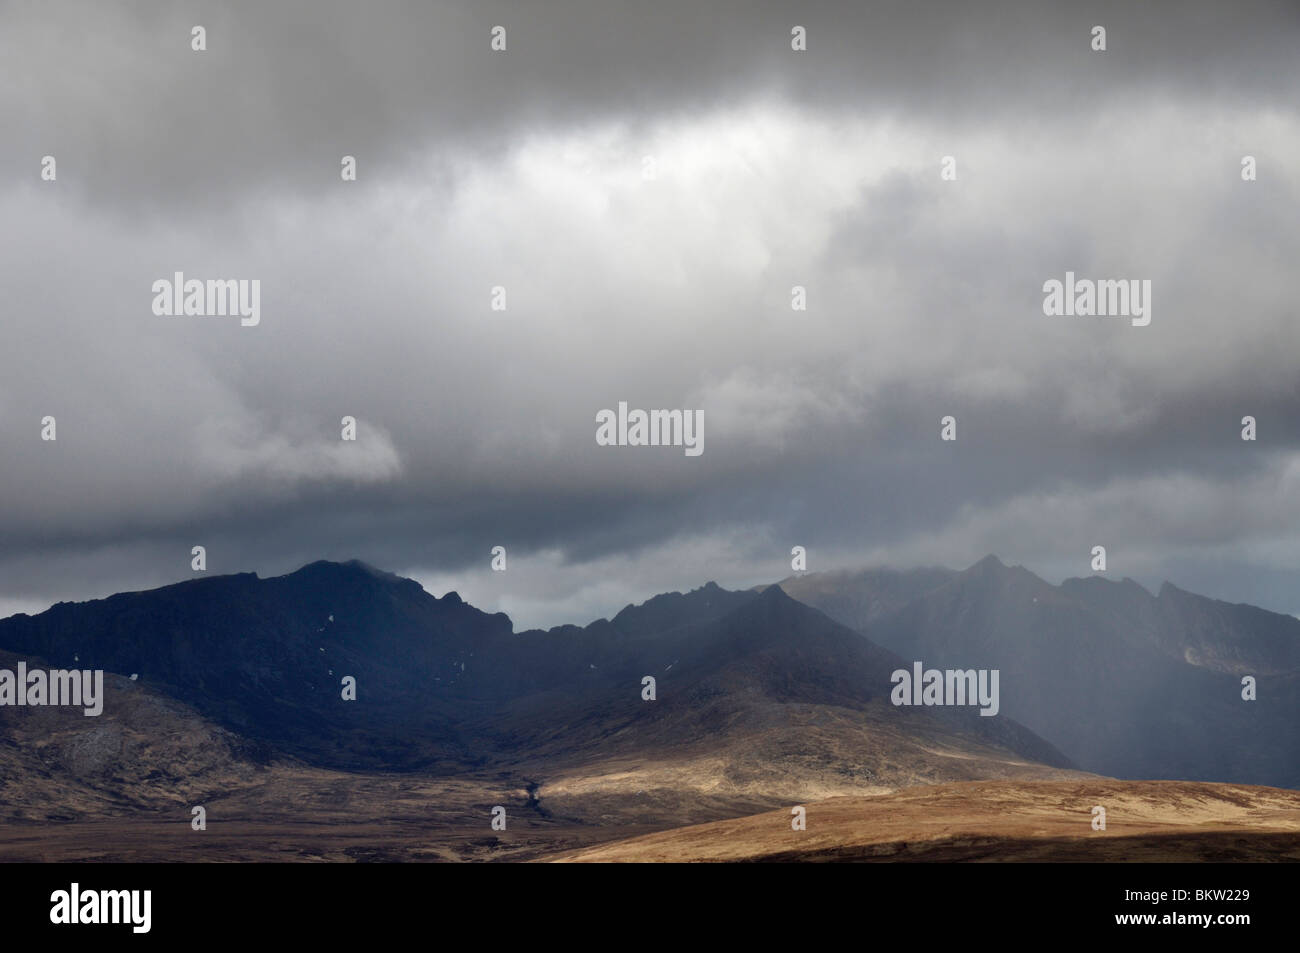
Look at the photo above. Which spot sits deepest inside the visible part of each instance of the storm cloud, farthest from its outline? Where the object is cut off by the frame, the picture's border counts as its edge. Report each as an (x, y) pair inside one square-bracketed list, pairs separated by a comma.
[(527, 169)]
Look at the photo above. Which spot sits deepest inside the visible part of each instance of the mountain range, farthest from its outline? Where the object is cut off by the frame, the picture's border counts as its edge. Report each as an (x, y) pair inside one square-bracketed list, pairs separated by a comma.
[(227, 691)]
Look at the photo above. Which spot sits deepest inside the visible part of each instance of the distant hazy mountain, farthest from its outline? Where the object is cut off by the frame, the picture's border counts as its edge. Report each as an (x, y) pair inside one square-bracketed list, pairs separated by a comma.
[(1125, 683), (758, 697), (857, 598)]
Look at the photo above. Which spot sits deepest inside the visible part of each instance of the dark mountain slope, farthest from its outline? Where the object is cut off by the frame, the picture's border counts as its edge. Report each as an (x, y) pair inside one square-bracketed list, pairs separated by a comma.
[(264, 657), (443, 686)]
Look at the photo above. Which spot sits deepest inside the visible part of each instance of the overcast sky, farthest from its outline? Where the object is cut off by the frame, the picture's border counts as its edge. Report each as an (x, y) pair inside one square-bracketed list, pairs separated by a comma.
[(524, 169)]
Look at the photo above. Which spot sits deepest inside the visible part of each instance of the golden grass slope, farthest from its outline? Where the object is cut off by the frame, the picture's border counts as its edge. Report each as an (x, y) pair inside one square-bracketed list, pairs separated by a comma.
[(997, 821)]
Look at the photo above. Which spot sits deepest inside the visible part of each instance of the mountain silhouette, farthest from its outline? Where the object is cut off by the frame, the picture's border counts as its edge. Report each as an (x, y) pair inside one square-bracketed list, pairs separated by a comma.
[(443, 686)]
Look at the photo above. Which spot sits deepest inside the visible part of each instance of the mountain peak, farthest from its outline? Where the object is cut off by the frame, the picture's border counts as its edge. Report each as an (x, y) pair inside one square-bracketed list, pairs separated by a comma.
[(674, 608), (993, 572), (774, 595), (317, 566)]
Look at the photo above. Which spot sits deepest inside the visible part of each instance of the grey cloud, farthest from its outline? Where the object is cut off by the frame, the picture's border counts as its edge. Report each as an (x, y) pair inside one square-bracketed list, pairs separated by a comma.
[(525, 170), (144, 124)]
